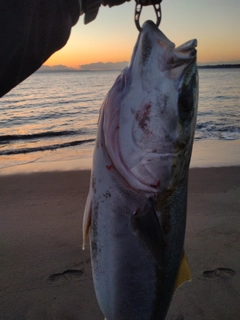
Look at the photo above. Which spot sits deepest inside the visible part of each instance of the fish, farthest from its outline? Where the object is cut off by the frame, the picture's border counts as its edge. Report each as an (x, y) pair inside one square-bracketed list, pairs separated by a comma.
[(135, 212)]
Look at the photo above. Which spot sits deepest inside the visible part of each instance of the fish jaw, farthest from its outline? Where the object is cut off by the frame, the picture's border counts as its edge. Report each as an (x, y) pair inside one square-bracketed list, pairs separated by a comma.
[(144, 134)]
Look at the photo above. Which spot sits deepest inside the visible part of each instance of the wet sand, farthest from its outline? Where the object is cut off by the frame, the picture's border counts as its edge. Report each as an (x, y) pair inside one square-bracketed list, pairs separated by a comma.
[(44, 274)]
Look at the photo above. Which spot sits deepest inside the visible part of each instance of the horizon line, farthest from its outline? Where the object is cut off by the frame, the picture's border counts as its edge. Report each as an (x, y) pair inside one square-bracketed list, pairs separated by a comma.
[(64, 68)]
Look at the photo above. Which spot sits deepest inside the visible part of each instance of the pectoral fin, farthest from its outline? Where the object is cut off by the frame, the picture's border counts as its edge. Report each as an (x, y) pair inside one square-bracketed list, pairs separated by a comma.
[(184, 273), (87, 217), (146, 227)]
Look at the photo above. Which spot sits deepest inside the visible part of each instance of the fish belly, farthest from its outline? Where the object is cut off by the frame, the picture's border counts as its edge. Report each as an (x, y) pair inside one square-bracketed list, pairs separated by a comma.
[(124, 271), (128, 282)]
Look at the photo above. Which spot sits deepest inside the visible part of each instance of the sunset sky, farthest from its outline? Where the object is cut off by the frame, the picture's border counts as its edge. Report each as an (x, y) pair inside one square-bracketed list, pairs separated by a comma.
[(111, 37)]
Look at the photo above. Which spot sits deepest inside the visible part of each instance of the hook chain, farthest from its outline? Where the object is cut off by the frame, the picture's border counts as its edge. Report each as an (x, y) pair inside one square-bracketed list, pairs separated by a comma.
[(138, 10)]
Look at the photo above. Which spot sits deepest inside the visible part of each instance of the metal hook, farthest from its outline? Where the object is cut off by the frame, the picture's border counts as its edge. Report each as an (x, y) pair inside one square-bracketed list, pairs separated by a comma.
[(138, 10)]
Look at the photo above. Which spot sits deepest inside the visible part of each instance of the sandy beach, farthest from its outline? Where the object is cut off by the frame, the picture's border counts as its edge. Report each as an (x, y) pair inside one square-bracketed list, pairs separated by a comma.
[(44, 274)]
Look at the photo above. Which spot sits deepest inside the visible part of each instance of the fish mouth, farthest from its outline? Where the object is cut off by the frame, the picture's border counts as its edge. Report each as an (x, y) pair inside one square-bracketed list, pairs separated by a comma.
[(171, 60)]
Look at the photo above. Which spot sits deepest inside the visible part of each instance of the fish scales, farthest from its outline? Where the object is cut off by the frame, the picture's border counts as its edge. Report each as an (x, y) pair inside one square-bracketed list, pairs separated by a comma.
[(137, 203)]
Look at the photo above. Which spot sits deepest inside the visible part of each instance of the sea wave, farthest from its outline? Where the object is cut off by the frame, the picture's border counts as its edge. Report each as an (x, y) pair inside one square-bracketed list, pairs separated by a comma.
[(221, 131), (44, 148), (4, 139)]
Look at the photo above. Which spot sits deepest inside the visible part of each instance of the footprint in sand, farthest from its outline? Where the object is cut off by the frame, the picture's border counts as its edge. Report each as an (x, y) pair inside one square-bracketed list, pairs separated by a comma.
[(223, 273), (66, 275)]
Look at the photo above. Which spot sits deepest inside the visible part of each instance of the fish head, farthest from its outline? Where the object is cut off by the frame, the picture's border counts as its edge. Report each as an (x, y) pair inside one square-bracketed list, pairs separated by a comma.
[(150, 112)]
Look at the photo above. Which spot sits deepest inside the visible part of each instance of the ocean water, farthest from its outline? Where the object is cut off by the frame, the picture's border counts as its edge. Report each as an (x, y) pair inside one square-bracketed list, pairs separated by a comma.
[(52, 117), (219, 104)]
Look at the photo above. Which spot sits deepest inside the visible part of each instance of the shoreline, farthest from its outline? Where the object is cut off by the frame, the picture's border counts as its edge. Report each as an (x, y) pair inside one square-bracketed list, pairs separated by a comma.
[(44, 273), (206, 154)]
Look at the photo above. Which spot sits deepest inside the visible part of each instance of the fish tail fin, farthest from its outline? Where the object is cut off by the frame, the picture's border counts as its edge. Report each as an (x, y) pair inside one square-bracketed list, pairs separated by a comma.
[(184, 273)]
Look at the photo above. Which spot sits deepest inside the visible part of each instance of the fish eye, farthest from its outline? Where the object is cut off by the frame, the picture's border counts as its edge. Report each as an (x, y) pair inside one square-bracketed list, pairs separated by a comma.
[(186, 98), (186, 102)]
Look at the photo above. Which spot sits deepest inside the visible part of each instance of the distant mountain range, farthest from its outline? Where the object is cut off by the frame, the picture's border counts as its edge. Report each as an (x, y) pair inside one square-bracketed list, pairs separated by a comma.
[(118, 66), (97, 66), (104, 66), (56, 68)]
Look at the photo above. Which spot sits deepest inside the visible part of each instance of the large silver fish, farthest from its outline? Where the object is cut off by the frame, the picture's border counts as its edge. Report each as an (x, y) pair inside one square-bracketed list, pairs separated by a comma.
[(136, 208)]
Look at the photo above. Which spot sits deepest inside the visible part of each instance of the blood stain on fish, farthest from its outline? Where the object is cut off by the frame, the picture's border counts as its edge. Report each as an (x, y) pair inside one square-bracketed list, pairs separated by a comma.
[(156, 185), (142, 116)]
